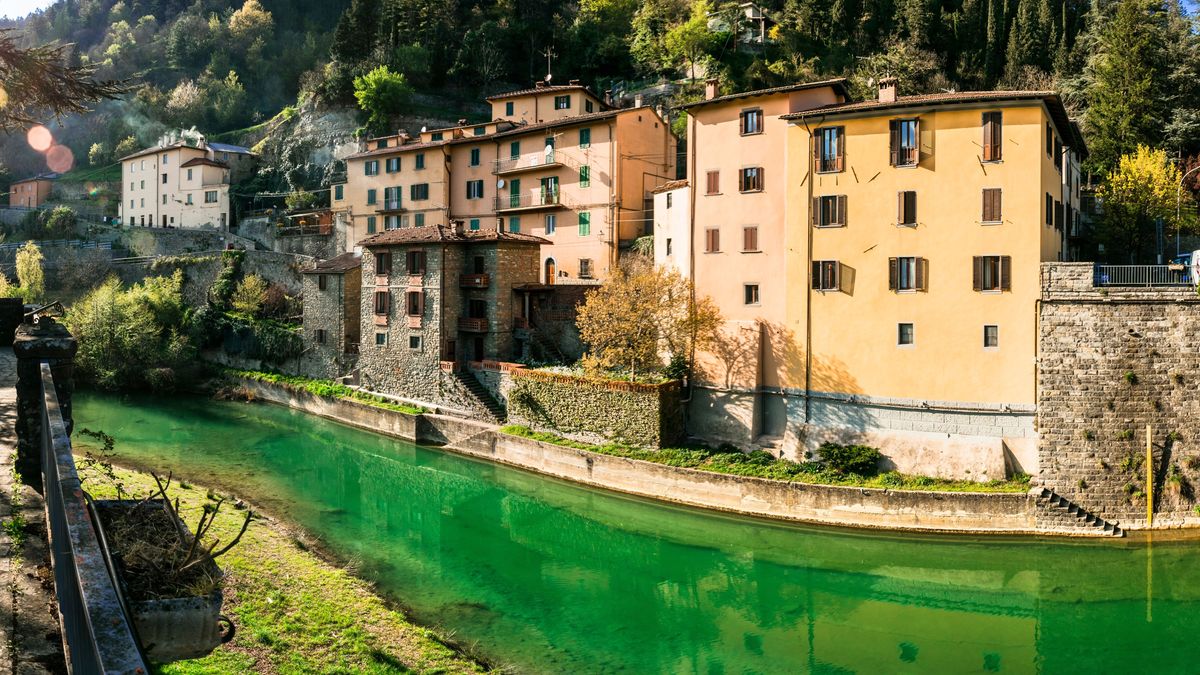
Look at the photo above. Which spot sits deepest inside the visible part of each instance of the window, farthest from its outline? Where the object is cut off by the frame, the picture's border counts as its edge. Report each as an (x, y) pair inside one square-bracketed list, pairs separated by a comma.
[(906, 208), (419, 220), (371, 168), (551, 221), (475, 189), (1058, 155), (562, 102), (414, 303), (164, 200), (514, 223), (339, 192), (750, 239), (907, 274), (829, 211), (713, 183), (585, 138), (383, 301), (322, 282), (382, 143), (164, 180), (210, 197), (414, 341), (1058, 215), (142, 202), (712, 240), (585, 223), (131, 186), (905, 335), (585, 176), (514, 149), (380, 339), (1049, 140), (750, 293), (420, 161), (474, 225), (370, 224), (752, 122), (826, 275), (189, 199), (992, 136), (371, 195), (905, 135), (189, 174), (991, 337), (1049, 209), (474, 156), (436, 136), (668, 246), (669, 200), (143, 185), (418, 192), (830, 156), (479, 131), (166, 159), (391, 222), (750, 179), (392, 165), (414, 262), (992, 273), (588, 106), (991, 206), (585, 268), (320, 335), (508, 108)]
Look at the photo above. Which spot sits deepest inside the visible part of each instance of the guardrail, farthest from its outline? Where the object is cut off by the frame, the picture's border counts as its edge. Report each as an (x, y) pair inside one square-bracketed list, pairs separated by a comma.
[(1143, 275), (96, 629), (59, 243)]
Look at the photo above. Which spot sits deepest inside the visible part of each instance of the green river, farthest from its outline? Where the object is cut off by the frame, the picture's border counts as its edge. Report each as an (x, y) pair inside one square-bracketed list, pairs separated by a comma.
[(550, 577)]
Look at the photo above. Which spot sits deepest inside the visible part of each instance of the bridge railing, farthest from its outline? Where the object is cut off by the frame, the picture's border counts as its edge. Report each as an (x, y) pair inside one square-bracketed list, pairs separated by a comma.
[(1143, 275)]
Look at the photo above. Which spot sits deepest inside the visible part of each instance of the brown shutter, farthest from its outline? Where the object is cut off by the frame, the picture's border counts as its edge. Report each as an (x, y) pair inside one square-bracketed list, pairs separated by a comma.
[(716, 236), (1005, 273), (814, 217), (900, 208), (816, 149), (987, 136), (997, 211), (893, 274), (977, 278), (841, 209), (894, 134), (841, 148), (986, 213), (921, 266), (910, 207), (998, 136)]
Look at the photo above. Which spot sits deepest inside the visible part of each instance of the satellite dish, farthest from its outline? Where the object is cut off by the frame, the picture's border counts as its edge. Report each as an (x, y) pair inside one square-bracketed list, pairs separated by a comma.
[(422, 129), (500, 183), (549, 77)]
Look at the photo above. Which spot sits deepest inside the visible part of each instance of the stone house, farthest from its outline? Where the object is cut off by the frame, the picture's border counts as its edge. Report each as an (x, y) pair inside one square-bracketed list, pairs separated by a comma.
[(332, 298), (436, 298)]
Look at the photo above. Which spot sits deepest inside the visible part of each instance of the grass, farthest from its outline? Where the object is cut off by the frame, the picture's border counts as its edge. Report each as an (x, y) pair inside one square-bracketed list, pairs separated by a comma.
[(761, 464), (294, 612), (109, 173), (324, 388)]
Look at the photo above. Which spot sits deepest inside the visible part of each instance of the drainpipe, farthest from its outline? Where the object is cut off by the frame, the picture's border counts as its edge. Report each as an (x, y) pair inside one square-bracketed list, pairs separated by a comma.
[(692, 189), (614, 240), (812, 178)]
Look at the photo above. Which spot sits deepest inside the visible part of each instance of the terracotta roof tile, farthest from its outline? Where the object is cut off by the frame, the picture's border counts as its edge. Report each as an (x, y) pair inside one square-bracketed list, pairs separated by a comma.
[(670, 185), (837, 83), (548, 89), (337, 264), (203, 161)]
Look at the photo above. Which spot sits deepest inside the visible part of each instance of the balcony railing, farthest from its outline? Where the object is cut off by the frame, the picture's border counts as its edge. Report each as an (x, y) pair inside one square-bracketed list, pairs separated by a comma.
[(536, 199), (474, 281), (1143, 275), (538, 160), (469, 324), (391, 205)]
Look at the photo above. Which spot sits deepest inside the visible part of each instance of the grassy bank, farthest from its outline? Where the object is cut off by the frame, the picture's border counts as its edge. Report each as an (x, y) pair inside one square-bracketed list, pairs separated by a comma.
[(323, 388), (762, 465), (295, 612)]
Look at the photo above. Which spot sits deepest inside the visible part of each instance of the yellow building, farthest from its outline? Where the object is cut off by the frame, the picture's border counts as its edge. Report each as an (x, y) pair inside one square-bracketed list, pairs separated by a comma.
[(555, 162), (911, 244)]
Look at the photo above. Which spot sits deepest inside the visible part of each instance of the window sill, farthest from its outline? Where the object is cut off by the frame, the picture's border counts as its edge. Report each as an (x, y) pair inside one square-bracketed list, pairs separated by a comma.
[(752, 251), (828, 227), (751, 133), (991, 222), (750, 192), (830, 171), (992, 161), (908, 225), (711, 252), (905, 166), (713, 194)]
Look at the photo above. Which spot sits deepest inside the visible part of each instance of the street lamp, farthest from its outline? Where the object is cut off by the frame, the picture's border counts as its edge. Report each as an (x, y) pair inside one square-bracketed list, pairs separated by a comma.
[(1178, 202)]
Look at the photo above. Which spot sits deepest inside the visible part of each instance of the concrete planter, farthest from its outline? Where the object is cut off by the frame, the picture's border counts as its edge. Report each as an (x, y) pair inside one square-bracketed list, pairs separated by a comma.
[(173, 629)]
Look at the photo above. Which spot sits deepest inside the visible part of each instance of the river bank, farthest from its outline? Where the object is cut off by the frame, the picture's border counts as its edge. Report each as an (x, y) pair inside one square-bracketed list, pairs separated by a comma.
[(296, 608)]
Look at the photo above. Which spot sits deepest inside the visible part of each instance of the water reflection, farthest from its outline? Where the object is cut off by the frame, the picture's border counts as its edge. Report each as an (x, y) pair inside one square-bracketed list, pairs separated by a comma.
[(556, 578)]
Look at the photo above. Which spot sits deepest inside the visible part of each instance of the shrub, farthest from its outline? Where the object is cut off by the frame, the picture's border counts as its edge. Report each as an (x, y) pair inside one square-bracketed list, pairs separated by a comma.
[(250, 294), (861, 460), (29, 272)]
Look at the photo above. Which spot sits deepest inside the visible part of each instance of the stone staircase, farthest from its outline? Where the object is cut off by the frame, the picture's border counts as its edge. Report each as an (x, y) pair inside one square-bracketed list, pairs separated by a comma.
[(484, 397), (1056, 513)]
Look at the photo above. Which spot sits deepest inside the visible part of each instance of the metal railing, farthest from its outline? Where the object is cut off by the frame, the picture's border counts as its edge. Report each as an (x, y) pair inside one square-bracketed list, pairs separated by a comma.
[(1143, 275), (523, 162), (533, 199), (96, 630)]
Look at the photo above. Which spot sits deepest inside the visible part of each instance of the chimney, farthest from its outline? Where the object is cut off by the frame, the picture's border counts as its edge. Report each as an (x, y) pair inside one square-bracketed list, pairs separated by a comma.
[(462, 122), (457, 226), (711, 87), (608, 100), (888, 88), (637, 100), (539, 85)]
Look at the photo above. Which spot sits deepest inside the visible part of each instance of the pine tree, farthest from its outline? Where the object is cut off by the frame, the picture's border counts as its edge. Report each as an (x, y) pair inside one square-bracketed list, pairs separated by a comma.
[(992, 58)]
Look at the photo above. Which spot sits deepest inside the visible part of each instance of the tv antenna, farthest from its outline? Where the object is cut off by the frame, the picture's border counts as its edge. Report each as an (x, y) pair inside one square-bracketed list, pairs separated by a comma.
[(549, 53)]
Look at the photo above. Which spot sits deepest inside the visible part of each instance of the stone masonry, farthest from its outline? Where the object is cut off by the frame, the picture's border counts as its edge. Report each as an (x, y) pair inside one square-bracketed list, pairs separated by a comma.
[(1112, 360), (332, 302)]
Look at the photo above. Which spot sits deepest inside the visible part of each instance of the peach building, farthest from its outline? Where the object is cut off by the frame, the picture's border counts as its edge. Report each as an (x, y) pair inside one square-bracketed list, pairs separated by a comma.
[(181, 182), (902, 313), (31, 193), (555, 162)]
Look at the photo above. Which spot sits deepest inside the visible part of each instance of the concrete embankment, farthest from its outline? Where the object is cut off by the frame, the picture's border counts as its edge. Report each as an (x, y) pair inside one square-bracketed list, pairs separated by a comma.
[(927, 511)]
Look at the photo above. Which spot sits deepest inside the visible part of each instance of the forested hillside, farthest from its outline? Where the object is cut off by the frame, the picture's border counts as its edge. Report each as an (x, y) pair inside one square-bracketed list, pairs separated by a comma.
[(1129, 68)]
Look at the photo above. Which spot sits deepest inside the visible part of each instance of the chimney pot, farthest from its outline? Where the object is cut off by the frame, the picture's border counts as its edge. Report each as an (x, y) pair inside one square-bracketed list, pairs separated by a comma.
[(711, 88), (458, 227), (573, 82), (888, 89), (540, 84), (637, 100), (462, 122)]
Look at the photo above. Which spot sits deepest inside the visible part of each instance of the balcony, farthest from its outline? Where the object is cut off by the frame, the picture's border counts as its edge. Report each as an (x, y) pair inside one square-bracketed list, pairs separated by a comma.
[(530, 201), (390, 205), (474, 281), (469, 324), (540, 160)]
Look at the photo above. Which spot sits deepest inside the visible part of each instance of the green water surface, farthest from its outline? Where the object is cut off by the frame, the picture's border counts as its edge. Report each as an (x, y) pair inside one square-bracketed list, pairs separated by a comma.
[(549, 577)]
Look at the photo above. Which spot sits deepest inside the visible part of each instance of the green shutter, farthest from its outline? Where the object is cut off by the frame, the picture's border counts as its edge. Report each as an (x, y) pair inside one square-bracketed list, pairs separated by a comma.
[(474, 223), (514, 223), (585, 138), (337, 191), (419, 220), (585, 176), (370, 224), (585, 223), (514, 149), (370, 196)]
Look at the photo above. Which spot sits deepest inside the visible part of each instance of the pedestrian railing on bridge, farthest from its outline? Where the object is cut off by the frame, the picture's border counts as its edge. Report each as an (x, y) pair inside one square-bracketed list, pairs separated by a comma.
[(1143, 275)]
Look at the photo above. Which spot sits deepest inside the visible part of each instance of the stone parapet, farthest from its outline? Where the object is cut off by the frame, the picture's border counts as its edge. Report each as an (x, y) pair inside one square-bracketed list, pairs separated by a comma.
[(49, 342)]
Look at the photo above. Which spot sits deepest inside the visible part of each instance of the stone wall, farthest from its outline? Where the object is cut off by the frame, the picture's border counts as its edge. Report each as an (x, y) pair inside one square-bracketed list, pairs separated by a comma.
[(1111, 361), (264, 232), (595, 410), (330, 310), (153, 241), (201, 269)]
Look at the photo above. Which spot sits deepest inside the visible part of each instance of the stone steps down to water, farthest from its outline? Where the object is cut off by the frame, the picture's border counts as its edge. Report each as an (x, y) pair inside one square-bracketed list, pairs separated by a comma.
[(1056, 513), (483, 397)]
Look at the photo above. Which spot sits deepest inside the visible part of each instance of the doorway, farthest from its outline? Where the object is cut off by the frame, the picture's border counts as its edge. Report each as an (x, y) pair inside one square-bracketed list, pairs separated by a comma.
[(551, 271)]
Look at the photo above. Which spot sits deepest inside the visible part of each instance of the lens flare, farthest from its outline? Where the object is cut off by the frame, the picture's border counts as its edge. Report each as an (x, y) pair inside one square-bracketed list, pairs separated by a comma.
[(40, 138), (60, 159)]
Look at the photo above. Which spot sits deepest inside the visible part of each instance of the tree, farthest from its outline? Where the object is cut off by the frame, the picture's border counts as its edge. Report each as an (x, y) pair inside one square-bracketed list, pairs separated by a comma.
[(36, 80), (381, 94), (98, 154), (60, 224), (300, 199), (640, 313), (126, 146), (648, 31), (250, 294), (691, 40), (1137, 194), (29, 272)]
